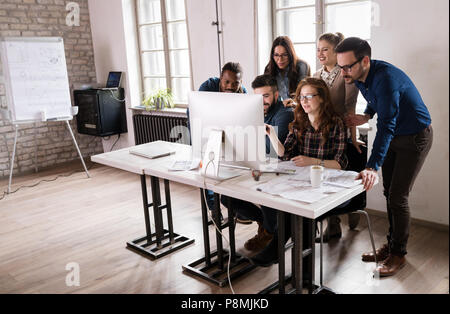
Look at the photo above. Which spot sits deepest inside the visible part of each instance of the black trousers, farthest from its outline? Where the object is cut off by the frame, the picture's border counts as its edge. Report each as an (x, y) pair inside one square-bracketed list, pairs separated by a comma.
[(403, 162)]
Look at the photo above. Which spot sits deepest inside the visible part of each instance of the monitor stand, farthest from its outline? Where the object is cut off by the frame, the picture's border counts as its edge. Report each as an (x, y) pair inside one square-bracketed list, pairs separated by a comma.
[(224, 174), (211, 159)]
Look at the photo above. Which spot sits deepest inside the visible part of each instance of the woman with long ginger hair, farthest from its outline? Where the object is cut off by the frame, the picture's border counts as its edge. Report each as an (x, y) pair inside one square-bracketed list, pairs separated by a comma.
[(317, 137)]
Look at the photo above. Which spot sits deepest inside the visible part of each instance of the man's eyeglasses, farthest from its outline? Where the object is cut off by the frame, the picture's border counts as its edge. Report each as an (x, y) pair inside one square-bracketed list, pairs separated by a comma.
[(281, 56), (307, 97), (348, 68)]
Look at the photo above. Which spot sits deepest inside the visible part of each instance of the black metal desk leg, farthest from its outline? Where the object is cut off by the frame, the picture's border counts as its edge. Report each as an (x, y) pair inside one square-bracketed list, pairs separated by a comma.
[(206, 244), (310, 260), (156, 197), (293, 226), (212, 266), (165, 241), (231, 230), (169, 210), (298, 253), (218, 223), (148, 229), (281, 264)]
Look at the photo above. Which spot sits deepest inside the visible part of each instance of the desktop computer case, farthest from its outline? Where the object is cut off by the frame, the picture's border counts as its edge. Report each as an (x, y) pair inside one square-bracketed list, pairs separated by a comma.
[(100, 112)]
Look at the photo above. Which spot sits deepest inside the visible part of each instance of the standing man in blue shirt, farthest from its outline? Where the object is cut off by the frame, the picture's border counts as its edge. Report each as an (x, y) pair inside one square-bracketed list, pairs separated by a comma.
[(402, 142)]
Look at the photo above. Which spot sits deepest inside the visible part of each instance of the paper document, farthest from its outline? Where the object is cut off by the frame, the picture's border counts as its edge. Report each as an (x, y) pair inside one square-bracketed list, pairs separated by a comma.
[(184, 165), (297, 190), (298, 187), (342, 178)]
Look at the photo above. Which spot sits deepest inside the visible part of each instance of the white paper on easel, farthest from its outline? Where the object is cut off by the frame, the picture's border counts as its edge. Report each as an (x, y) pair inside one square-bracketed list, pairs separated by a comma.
[(36, 78)]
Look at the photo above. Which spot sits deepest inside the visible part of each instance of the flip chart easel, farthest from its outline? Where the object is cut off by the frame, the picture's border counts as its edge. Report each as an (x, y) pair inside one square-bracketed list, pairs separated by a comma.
[(37, 85)]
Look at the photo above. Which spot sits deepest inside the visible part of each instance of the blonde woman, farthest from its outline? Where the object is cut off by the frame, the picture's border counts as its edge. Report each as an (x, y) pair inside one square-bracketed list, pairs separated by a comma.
[(343, 98)]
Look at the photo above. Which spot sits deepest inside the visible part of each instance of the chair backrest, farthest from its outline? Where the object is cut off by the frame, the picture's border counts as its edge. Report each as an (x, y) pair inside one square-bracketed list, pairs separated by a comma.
[(356, 161)]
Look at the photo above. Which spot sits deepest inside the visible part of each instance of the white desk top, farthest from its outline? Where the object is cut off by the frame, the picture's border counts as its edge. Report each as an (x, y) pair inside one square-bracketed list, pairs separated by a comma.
[(242, 187), (122, 159)]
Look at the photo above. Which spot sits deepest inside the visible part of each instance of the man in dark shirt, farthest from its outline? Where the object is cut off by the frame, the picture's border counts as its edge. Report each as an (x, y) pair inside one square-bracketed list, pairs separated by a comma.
[(275, 113), (279, 117), (403, 139), (230, 80)]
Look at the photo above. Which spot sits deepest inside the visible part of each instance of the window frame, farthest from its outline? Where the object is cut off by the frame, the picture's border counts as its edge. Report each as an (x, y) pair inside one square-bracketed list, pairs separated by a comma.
[(320, 18), (166, 50), (320, 21)]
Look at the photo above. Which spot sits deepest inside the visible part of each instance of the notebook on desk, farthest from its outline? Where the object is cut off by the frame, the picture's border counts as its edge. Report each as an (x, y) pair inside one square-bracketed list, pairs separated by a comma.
[(152, 151)]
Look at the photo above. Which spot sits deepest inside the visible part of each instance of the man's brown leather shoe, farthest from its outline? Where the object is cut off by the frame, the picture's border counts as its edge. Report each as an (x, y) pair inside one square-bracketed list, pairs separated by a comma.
[(391, 265), (259, 241), (382, 254)]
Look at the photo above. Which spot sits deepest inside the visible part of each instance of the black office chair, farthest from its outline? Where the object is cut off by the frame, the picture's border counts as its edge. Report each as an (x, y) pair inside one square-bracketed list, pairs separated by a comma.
[(356, 162)]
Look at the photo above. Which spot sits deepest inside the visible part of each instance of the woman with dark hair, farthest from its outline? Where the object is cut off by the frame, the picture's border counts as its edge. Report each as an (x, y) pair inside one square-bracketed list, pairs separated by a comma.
[(317, 137), (343, 97), (286, 67)]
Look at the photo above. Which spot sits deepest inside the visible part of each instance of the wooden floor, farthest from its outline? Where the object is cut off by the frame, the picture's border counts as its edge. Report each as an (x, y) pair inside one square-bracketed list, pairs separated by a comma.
[(88, 221)]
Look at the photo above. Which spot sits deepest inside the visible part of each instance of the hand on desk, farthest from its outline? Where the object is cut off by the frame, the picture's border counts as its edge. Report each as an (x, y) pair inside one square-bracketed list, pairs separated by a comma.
[(369, 178), (303, 161)]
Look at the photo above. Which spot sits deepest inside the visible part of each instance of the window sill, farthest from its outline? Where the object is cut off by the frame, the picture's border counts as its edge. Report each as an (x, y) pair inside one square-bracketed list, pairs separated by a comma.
[(165, 111)]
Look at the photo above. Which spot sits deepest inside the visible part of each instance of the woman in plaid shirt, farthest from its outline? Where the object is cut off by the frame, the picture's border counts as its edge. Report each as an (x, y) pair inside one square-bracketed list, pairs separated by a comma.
[(317, 137)]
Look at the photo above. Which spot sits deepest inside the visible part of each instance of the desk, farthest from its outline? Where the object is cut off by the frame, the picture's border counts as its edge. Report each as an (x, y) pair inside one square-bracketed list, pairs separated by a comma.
[(163, 241), (244, 188)]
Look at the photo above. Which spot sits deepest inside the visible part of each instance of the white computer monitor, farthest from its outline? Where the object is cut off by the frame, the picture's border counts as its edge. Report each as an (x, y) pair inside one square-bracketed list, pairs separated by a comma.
[(239, 116)]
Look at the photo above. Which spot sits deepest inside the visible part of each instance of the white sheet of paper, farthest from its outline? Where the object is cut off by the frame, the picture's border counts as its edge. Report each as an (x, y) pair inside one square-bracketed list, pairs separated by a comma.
[(298, 187), (184, 165)]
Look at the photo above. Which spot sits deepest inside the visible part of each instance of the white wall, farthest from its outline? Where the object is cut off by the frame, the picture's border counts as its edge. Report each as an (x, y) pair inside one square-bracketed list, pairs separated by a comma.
[(238, 40), (108, 39), (413, 35)]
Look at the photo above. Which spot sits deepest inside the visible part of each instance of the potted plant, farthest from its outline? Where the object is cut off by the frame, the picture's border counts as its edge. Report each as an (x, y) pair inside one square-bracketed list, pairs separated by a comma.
[(159, 99)]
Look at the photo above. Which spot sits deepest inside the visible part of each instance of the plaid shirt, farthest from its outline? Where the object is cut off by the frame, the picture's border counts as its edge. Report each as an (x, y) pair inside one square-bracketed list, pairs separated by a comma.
[(309, 145)]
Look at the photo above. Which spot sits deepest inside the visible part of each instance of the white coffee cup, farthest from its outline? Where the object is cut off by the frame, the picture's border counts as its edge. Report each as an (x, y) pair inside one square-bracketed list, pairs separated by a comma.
[(316, 176)]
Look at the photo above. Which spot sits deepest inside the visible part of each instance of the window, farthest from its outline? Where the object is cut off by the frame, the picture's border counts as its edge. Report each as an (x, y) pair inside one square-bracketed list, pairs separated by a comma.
[(164, 47), (296, 19), (303, 21)]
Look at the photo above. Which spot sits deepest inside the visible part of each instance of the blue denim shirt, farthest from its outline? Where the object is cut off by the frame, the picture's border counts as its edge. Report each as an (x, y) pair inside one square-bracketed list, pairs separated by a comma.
[(391, 95), (279, 117)]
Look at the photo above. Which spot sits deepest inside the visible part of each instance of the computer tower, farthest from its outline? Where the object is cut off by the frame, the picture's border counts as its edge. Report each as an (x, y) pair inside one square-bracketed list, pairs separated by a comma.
[(100, 112)]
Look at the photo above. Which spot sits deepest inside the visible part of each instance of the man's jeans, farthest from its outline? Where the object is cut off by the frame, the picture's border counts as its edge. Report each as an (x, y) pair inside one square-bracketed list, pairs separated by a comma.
[(265, 215), (403, 162)]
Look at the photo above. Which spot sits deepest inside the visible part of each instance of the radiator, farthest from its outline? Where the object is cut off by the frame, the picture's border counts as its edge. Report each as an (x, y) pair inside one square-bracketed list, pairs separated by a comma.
[(155, 127)]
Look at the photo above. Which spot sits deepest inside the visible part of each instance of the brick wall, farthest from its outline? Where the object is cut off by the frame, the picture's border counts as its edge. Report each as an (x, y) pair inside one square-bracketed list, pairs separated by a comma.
[(50, 142)]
